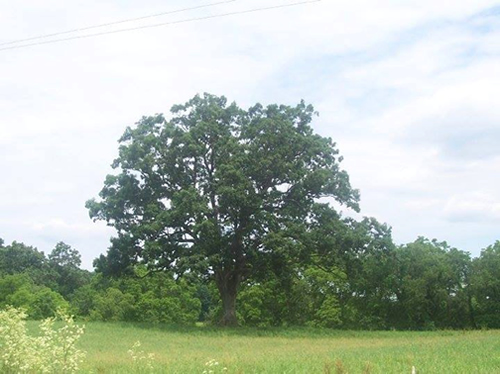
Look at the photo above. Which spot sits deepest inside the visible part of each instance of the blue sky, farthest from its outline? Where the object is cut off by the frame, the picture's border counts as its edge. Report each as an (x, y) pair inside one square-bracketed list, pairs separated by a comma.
[(408, 90)]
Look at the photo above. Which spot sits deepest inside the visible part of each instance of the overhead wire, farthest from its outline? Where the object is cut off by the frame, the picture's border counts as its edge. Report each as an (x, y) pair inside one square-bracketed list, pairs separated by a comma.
[(162, 24), (80, 29)]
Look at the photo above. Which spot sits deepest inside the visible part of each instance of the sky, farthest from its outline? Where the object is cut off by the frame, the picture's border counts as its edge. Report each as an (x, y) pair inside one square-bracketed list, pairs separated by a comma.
[(409, 90)]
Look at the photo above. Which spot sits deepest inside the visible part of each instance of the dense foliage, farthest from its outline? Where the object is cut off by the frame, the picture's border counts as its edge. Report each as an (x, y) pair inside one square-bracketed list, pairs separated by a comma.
[(421, 285)]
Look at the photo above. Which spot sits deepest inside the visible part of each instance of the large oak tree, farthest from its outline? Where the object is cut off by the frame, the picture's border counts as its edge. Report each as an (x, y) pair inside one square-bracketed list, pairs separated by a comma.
[(219, 190)]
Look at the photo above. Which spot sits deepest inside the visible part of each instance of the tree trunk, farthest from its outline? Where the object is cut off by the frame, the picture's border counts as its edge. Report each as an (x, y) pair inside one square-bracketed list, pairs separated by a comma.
[(472, 313), (227, 283)]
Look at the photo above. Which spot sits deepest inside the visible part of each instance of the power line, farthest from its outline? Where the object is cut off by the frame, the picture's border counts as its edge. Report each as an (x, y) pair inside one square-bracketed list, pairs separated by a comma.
[(162, 24), (116, 22)]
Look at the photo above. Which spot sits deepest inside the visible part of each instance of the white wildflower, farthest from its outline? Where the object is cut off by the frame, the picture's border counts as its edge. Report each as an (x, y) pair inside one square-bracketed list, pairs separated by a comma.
[(141, 359), (54, 351)]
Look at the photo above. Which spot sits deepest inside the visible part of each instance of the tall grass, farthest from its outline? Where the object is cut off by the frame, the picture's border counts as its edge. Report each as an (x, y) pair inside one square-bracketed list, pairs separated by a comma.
[(187, 350)]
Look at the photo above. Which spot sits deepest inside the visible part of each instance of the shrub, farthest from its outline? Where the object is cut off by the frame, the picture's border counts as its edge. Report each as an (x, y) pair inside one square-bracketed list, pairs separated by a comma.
[(53, 351), (19, 291), (113, 305), (46, 303)]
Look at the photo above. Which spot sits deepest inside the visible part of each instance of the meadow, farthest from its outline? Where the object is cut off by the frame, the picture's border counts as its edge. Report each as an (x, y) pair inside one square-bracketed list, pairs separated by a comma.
[(245, 350)]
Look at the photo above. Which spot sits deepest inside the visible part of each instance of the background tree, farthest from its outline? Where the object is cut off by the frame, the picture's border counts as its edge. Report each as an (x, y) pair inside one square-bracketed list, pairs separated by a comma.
[(430, 286), (219, 190), (485, 287), (367, 257), (21, 258), (65, 261), (18, 257)]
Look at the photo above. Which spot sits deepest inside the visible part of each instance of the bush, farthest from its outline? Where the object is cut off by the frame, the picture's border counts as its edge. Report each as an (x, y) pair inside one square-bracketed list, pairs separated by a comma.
[(53, 351), (39, 302), (46, 303), (113, 305)]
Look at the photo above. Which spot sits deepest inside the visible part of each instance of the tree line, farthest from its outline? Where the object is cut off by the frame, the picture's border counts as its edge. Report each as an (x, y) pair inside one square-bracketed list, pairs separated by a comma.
[(425, 284)]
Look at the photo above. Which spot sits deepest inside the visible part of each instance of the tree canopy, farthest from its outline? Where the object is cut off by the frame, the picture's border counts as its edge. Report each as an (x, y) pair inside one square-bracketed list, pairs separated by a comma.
[(220, 190)]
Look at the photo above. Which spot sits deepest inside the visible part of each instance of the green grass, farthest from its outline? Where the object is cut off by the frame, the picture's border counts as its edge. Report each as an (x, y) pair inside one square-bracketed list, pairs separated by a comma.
[(186, 350)]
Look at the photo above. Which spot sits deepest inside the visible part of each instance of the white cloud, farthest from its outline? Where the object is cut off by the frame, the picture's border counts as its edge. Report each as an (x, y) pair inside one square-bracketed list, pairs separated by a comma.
[(408, 89), (473, 207)]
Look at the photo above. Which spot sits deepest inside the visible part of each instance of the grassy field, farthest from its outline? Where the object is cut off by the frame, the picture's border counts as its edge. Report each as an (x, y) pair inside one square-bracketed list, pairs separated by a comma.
[(290, 350)]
